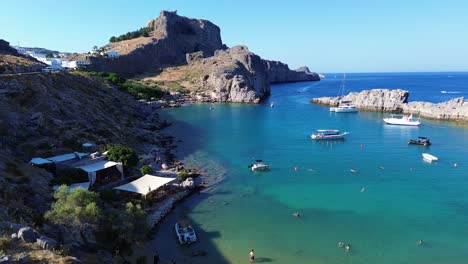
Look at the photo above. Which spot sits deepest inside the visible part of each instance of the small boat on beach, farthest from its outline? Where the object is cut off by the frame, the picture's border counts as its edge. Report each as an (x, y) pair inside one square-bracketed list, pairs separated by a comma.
[(423, 141), (328, 134), (259, 166), (185, 232), (429, 157), (403, 120)]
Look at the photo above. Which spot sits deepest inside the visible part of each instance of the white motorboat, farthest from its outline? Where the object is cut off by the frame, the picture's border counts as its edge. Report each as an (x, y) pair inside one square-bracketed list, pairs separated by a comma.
[(259, 166), (403, 120), (429, 157), (328, 134), (185, 232)]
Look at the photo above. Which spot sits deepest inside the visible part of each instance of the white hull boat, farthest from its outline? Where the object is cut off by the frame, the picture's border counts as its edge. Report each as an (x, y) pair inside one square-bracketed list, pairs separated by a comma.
[(403, 120), (344, 109), (429, 157), (328, 134), (259, 166), (185, 233)]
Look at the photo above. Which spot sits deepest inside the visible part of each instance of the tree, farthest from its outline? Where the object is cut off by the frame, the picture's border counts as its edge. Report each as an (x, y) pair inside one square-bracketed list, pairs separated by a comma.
[(49, 55), (78, 207), (123, 154), (146, 170), (131, 223)]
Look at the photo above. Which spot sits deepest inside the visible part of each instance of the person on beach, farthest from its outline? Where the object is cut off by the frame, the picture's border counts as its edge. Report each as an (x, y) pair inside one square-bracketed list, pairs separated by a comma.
[(251, 256), (420, 242), (340, 244), (347, 248)]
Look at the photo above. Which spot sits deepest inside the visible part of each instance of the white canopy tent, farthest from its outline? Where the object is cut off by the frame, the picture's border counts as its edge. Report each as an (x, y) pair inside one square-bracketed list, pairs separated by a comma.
[(145, 184), (91, 169)]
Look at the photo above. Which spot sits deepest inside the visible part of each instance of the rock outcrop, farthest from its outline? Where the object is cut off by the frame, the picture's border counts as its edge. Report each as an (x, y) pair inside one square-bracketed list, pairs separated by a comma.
[(172, 37), (5, 48), (279, 73), (232, 75), (455, 109), (370, 100), (384, 100), (12, 62)]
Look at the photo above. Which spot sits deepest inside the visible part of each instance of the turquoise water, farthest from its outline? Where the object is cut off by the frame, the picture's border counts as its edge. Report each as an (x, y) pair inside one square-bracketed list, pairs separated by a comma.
[(405, 198)]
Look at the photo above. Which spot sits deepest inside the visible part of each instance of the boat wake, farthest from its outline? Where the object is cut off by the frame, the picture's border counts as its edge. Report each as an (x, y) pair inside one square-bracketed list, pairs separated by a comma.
[(450, 92)]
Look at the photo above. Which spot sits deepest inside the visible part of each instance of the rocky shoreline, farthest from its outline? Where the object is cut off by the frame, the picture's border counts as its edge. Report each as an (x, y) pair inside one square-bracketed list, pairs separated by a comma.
[(396, 101)]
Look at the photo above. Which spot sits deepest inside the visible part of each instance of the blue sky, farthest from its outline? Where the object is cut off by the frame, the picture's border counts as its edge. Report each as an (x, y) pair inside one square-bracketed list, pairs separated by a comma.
[(328, 36)]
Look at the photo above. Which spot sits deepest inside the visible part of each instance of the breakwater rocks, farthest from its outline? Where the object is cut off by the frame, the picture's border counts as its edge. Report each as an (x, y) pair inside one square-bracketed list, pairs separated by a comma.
[(396, 101)]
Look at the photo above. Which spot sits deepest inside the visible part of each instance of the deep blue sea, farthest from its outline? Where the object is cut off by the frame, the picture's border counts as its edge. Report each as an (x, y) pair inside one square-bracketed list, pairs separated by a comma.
[(392, 201)]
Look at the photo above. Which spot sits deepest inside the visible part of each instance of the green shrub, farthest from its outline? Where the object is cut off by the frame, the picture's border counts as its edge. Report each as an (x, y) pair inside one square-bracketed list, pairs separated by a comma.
[(126, 155), (146, 170), (4, 243), (182, 176), (78, 208), (142, 32)]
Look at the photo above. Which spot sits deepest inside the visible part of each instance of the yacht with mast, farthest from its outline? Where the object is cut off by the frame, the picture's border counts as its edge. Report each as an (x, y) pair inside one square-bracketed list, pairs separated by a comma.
[(344, 106)]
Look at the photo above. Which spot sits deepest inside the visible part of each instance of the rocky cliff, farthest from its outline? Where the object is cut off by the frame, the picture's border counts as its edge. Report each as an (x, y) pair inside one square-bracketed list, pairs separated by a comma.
[(232, 75), (279, 73), (12, 62), (384, 100), (370, 100), (171, 38)]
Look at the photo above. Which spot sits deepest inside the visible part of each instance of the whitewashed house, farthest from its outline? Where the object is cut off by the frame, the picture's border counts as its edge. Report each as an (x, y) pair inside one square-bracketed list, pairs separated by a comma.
[(21, 50), (112, 54)]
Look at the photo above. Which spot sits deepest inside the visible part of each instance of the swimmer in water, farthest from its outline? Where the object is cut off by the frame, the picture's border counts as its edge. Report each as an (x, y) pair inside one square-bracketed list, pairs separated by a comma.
[(363, 189), (353, 170), (420, 242), (340, 244), (347, 248), (382, 168), (297, 214)]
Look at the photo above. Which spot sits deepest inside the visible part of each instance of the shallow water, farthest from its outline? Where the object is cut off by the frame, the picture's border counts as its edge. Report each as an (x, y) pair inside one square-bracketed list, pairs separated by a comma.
[(404, 198)]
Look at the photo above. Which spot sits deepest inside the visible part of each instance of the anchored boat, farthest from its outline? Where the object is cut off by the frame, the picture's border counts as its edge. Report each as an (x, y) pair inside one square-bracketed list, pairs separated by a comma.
[(324, 134), (403, 120), (429, 157), (259, 166), (424, 141), (185, 232)]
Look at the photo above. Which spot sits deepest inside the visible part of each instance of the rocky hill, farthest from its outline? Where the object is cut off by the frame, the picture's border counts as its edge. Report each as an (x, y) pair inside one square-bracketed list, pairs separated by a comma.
[(279, 72), (172, 37), (233, 75), (384, 100), (12, 62)]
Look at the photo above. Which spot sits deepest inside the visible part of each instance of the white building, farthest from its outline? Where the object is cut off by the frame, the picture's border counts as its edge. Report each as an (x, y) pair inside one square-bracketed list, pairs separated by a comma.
[(112, 54), (21, 50)]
